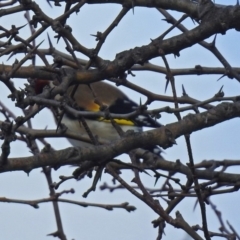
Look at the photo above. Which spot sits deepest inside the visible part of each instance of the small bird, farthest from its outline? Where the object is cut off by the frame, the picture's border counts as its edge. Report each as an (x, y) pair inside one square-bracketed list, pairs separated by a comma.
[(92, 98)]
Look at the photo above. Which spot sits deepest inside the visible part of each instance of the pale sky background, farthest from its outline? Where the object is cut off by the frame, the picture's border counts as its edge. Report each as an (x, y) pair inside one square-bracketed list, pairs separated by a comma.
[(219, 142)]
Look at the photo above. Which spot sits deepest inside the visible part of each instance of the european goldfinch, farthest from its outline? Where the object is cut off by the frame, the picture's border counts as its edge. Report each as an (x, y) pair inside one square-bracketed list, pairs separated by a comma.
[(90, 98)]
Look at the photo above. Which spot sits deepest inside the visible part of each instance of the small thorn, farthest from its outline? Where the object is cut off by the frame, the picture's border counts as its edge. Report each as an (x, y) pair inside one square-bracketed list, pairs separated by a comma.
[(213, 44), (49, 3), (157, 176), (220, 93), (38, 45), (133, 4), (168, 20), (224, 75), (11, 55), (50, 42), (167, 82), (183, 91), (221, 88), (18, 28), (193, 20)]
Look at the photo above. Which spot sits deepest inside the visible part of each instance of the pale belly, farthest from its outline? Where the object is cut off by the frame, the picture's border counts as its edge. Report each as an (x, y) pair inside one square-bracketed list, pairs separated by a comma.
[(101, 129)]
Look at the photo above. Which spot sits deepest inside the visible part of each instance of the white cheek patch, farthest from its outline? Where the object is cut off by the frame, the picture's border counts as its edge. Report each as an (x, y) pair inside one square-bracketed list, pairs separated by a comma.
[(144, 120), (126, 101)]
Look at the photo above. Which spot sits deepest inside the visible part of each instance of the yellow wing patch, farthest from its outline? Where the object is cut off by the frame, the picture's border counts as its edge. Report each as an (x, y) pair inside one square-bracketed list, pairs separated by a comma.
[(95, 108), (119, 121)]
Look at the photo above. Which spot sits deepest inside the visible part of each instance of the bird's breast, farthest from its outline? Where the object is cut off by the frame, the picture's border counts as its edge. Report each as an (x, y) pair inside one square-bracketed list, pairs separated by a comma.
[(99, 128)]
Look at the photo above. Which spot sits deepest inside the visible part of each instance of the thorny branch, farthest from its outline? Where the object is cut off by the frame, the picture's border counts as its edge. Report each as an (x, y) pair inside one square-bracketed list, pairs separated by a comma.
[(67, 67)]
